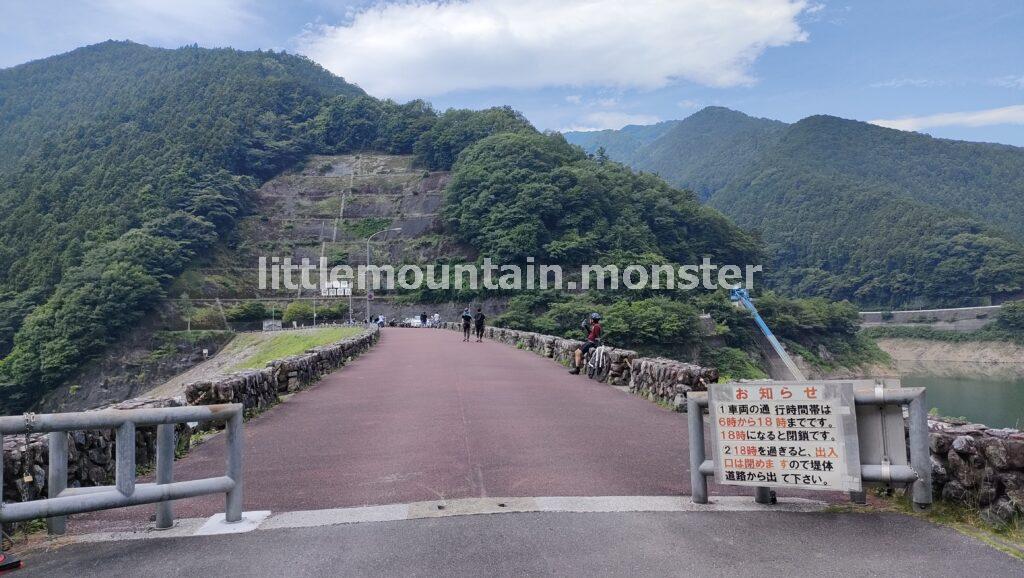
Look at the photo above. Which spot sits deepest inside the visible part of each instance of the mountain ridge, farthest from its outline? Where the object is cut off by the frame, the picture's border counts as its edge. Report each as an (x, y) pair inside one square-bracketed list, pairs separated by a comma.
[(829, 197)]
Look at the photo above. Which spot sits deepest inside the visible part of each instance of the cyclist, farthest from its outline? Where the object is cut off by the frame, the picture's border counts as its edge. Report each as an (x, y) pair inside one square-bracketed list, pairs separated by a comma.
[(593, 328), (467, 318)]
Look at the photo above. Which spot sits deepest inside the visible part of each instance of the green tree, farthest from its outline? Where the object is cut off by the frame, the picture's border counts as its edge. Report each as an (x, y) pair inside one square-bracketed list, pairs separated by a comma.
[(298, 311)]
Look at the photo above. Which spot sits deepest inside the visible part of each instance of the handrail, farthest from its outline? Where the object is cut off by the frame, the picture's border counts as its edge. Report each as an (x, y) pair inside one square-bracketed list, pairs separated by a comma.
[(62, 501)]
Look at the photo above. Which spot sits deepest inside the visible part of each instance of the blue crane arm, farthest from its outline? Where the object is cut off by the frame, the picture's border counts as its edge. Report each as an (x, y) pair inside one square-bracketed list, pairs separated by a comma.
[(741, 295)]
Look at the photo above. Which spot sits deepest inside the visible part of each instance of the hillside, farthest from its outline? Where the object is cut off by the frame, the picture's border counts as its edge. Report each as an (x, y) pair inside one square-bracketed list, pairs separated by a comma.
[(849, 210), (902, 225), (624, 145), (132, 177), (122, 166), (702, 152), (327, 205)]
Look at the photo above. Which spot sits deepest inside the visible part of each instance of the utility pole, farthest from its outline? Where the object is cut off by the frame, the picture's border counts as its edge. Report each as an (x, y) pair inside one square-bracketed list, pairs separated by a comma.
[(366, 271)]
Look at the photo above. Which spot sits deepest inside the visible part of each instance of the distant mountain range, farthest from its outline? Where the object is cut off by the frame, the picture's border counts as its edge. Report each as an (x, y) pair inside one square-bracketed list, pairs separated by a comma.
[(847, 209)]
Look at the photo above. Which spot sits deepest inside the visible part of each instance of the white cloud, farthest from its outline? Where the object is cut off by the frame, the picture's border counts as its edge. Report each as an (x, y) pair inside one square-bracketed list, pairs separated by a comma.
[(1005, 115), (424, 48), (687, 103), (903, 82), (610, 120), (574, 99), (1008, 81)]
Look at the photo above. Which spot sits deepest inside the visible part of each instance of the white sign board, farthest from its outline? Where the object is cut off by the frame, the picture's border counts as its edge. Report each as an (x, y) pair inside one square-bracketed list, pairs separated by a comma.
[(800, 434), (336, 289)]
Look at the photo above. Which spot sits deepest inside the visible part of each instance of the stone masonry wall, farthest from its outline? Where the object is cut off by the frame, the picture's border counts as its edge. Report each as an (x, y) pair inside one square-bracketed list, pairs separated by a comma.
[(91, 453), (659, 379), (260, 388), (978, 466)]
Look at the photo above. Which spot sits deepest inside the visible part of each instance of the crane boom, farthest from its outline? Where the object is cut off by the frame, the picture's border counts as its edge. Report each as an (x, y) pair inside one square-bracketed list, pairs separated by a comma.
[(741, 296)]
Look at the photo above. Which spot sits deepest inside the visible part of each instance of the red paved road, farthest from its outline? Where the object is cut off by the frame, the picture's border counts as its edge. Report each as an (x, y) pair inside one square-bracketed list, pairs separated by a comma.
[(424, 416)]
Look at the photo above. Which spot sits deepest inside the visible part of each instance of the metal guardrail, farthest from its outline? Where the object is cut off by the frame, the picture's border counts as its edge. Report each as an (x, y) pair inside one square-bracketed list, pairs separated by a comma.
[(63, 501), (918, 473)]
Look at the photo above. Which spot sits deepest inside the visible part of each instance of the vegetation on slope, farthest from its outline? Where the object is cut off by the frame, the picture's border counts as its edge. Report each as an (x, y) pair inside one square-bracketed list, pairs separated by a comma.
[(121, 165), (1008, 326), (849, 210), (288, 343), (835, 235), (514, 196), (702, 152)]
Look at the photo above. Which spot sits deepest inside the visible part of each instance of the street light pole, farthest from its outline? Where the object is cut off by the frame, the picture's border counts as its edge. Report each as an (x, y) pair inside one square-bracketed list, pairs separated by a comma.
[(367, 272)]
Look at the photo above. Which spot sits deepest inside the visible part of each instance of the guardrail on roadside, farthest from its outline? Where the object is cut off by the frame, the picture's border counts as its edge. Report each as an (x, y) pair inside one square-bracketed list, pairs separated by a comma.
[(63, 501)]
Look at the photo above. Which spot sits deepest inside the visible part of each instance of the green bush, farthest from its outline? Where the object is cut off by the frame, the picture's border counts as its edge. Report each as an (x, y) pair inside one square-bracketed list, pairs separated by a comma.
[(298, 311), (1011, 317), (247, 311)]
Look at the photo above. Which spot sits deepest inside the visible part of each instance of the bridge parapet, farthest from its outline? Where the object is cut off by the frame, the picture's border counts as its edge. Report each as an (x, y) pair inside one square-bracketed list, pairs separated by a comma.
[(661, 379), (91, 454), (259, 389)]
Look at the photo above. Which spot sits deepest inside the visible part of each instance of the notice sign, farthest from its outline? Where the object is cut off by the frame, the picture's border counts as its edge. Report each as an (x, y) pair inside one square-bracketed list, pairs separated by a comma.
[(786, 434)]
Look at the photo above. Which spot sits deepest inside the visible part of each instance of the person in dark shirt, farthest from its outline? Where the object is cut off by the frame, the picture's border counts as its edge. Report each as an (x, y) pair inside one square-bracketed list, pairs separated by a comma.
[(478, 321), (467, 318), (593, 340), (423, 319)]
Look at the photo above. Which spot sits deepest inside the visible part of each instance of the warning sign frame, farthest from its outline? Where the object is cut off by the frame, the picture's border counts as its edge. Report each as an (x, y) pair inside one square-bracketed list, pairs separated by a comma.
[(799, 435)]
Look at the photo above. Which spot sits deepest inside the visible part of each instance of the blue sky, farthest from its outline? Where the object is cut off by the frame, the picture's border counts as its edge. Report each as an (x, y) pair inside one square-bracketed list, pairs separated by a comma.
[(949, 68)]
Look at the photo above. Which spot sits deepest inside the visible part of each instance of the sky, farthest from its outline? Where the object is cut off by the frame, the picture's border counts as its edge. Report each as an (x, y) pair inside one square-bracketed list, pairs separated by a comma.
[(952, 69)]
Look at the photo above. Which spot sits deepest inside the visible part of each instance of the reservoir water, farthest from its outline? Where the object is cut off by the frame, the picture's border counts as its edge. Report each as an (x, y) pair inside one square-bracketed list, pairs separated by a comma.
[(993, 402)]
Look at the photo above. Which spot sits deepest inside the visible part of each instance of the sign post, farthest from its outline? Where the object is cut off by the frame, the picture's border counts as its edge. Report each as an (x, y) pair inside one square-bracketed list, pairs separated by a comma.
[(800, 435)]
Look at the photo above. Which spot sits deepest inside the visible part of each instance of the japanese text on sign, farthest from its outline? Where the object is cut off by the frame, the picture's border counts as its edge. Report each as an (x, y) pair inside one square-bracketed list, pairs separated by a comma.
[(798, 434)]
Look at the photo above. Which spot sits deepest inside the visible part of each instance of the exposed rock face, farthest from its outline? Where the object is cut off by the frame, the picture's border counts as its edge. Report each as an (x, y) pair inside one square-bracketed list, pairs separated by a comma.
[(979, 467), (91, 454)]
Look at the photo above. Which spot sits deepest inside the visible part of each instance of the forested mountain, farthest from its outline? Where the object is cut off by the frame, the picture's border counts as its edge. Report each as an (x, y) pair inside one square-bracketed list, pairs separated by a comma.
[(120, 165), (625, 145), (849, 210), (702, 153), (123, 166)]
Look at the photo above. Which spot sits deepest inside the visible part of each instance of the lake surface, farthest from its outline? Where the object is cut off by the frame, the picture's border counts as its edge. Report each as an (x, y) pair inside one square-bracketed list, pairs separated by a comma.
[(993, 402)]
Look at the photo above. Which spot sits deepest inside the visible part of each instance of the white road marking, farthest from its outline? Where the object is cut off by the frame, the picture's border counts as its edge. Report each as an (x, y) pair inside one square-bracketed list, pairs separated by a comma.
[(265, 520)]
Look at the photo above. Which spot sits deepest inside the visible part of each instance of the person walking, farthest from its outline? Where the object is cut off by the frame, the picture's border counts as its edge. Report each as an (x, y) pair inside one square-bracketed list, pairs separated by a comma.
[(478, 321), (467, 318), (423, 319)]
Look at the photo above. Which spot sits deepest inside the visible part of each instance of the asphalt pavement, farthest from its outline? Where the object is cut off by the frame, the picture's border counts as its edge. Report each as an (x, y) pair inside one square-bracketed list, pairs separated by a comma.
[(426, 416), (557, 544)]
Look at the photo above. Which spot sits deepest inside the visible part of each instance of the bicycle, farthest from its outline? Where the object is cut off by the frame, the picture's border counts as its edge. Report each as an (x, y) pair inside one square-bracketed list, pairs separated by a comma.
[(598, 363)]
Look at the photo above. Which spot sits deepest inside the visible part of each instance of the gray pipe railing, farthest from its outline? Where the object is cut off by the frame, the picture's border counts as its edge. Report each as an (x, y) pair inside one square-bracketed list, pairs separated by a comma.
[(918, 473), (63, 501)]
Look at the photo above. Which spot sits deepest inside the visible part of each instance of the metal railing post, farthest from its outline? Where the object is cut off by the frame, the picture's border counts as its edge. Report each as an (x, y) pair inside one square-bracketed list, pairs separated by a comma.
[(63, 501), (164, 472), (57, 479), (235, 447), (125, 448), (919, 454), (695, 421), (763, 495)]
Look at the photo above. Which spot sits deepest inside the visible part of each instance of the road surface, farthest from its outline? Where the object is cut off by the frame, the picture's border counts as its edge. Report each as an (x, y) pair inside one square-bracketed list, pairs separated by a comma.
[(425, 417), (614, 544)]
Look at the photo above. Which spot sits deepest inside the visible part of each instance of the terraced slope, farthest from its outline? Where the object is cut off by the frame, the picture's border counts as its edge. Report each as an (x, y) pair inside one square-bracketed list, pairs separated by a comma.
[(328, 207)]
